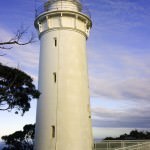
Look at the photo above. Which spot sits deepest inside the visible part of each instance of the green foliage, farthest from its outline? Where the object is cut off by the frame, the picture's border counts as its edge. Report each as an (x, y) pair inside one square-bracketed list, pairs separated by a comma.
[(20, 140), (16, 90), (133, 135)]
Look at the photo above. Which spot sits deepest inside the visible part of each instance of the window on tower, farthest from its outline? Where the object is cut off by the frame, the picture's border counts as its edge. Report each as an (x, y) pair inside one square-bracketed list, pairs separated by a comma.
[(55, 41), (53, 131), (54, 76)]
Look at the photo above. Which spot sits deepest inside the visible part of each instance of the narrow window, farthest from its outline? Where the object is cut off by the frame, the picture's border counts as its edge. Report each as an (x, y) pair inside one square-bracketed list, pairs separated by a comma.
[(53, 131), (54, 76), (55, 41)]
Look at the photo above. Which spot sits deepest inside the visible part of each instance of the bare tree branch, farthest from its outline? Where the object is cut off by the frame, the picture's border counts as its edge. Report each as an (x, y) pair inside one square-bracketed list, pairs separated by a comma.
[(4, 109), (3, 47), (18, 39), (2, 54)]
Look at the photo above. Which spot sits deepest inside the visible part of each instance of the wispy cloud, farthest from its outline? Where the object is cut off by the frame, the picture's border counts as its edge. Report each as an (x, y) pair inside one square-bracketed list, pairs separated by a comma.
[(122, 21), (119, 74), (135, 117)]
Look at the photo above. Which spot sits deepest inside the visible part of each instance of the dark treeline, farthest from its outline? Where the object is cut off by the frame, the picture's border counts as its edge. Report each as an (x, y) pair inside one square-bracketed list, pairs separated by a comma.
[(133, 135), (20, 140)]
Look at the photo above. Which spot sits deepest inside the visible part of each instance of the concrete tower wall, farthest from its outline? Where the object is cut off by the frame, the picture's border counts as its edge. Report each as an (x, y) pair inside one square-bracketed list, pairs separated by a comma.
[(63, 111)]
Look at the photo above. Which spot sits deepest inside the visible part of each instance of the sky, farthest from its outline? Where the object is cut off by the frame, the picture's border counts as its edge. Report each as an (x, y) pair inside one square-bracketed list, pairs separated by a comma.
[(118, 52)]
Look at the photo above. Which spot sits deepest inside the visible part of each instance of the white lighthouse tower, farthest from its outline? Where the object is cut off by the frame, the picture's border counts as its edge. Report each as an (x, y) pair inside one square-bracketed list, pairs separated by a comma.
[(63, 110)]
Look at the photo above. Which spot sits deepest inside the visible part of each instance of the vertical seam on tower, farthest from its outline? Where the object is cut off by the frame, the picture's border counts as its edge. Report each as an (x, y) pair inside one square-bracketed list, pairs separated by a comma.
[(58, 51), (89, 102), (57, 86)]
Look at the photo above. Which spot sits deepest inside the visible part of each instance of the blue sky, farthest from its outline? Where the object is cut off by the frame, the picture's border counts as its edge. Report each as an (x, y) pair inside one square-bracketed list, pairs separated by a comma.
[(118, 52)]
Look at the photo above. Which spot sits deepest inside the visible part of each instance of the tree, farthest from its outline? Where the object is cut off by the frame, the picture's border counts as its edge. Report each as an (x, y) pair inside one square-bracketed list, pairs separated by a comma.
[(16, 87), (20, 140), (133, 135)]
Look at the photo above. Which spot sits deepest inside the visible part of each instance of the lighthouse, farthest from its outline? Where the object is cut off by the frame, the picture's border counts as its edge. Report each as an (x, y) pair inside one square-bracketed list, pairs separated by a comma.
[(63, 119)]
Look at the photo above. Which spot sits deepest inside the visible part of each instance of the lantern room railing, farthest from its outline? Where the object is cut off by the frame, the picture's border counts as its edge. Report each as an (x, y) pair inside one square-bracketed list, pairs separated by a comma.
[(81, 8)]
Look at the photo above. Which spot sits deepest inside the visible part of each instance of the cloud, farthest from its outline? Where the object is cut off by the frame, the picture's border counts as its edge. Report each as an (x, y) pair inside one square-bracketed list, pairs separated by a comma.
[(118, 11), (118, 60), (131, 89), (120, 21), (135, 117), (120, 74), (101, 133), (119, 56)]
